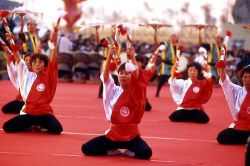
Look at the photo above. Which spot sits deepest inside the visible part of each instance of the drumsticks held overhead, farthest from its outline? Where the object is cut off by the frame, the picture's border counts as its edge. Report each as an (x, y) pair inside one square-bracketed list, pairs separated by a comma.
[(225, 45), (117, 31), (54, 38), (162, 47), (115, 58), (223, 51), (7, 50), (10, 36), (177, 69)]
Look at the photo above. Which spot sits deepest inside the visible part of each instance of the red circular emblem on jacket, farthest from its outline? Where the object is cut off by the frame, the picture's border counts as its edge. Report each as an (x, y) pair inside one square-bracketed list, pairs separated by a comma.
[(124, 111), (248, 110), (40, 87), (196, 89)]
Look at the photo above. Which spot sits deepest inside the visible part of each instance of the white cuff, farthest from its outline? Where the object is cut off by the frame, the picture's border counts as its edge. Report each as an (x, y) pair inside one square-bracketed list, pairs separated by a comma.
[(207, 75), (51, 45), (130, 67), (149, 66)]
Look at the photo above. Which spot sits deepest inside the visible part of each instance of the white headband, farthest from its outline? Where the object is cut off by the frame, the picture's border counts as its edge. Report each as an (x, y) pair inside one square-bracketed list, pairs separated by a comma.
[(130, 67)]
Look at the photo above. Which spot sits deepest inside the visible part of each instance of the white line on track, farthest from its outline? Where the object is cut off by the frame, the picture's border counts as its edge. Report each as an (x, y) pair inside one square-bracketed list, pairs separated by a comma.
[(72, 155), (76, 106), (96, 117), (147, 137), (80, 117)]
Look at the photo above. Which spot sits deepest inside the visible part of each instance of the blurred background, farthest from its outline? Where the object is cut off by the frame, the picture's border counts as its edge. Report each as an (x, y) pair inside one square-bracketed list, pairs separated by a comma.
[(194, 21)]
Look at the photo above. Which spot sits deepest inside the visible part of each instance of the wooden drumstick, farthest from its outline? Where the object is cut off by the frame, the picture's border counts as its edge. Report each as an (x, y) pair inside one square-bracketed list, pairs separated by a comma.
[(225, 45), (178, 52), (3, 15)]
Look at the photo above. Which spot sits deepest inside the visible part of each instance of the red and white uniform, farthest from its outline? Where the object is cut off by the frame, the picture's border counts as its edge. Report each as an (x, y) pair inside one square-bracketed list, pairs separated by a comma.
[(239, 104), (12, 73), (124, 108), (37, 90), (190, 95)]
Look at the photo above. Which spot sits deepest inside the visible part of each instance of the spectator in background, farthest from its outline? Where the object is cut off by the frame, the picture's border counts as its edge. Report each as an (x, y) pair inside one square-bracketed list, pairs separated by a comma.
[(3, 69), (65, 57), (64, 44), (30, 40), (214, 54), (168, 59)]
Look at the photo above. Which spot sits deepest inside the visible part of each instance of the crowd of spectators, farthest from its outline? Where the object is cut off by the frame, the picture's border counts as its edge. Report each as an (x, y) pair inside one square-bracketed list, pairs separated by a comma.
[(80, 58)]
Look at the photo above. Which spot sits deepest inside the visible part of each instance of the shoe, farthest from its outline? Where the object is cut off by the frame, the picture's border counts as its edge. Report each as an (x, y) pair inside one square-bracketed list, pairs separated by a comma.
[(115, 152), (36, 128), (128, 153), (247, 153)]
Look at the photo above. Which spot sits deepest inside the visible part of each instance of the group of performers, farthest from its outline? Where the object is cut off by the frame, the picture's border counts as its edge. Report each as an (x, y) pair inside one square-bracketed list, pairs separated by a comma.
[(124, 102)]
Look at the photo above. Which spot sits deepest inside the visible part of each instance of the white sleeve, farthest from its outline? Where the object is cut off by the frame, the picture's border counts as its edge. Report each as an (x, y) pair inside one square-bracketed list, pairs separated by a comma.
[(176, 89), (12, 72), (231, 92), (25, 79), (108, 93)]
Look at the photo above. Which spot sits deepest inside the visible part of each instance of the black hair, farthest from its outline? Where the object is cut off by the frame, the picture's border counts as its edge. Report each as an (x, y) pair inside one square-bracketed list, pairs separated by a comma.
[(161, 43), (27, 54), (222, 39), (198, 67), (140, 58), (174, 35), (246, 69), (104, 42), (42, 57), (121, 67)]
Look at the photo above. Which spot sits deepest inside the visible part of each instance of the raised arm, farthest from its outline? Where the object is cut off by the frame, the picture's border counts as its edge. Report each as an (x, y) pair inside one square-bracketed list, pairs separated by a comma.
[(53, 43), (7, 51), (222, 73), (112, 51), (21, 25), (152, 63), (97, 35), (21, 32), (15, 48), (131, 56)]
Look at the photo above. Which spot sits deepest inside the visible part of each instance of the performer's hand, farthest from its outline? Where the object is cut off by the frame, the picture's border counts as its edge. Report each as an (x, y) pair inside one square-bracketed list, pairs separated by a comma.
[(205, 67), (153, 58), (173, 72), (130, 53), (9, 36), (39, 47), (97, 28), (113, 30), (222, 73), (22, 22), (53, 37), (113, 51)]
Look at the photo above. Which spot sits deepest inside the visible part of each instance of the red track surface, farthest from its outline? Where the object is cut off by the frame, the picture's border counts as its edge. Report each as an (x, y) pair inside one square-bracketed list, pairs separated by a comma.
[(82, 116)]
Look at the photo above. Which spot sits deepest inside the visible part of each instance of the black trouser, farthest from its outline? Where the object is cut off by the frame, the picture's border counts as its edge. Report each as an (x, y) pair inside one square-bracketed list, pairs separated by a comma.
[(195, 115), (148, 106), (82, 71), (65, 74), (13, 107), (22, 122), (231, 136), (101, 145), (161, 81), (247, 157)]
